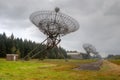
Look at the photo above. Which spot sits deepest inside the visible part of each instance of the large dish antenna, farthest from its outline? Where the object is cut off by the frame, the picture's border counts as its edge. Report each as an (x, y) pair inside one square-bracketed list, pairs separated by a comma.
[(53, 24)]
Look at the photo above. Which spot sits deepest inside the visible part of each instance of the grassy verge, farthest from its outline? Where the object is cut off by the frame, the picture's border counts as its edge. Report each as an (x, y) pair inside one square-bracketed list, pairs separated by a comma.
[(117, 61)]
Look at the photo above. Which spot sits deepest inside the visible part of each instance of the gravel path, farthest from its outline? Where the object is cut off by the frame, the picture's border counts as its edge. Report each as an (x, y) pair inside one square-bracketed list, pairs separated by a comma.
[(90, 66)]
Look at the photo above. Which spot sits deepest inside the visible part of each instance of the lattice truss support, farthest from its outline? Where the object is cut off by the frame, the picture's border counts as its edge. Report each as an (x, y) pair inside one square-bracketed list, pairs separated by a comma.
[(50, 44)]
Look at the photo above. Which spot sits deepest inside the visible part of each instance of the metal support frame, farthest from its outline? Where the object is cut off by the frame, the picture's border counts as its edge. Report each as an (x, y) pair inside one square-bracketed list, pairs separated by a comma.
[(49, 46)]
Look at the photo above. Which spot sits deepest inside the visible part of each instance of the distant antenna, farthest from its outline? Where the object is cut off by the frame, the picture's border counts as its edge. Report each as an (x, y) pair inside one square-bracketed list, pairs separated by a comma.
[(90, 49), (53, 24)]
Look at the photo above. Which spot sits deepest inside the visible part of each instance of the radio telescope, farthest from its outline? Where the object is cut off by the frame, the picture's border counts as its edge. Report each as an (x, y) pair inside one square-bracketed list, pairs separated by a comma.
[(54, 25), (90, 49)]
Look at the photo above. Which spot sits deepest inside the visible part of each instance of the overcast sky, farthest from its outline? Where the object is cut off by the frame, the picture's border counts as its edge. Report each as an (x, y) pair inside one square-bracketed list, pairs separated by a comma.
[(99, 22)]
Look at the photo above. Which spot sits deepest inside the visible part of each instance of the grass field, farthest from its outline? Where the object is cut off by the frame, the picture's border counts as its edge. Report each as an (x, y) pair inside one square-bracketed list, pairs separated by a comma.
[(117, 61), (54, 70)]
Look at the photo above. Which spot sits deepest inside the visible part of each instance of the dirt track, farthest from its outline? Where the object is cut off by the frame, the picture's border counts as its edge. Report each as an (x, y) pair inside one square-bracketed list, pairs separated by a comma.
[(113, 67), (90, 66)]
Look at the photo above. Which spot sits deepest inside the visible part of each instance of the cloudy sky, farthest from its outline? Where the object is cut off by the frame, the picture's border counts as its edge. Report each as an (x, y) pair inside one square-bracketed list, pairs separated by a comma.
[(99, 22)]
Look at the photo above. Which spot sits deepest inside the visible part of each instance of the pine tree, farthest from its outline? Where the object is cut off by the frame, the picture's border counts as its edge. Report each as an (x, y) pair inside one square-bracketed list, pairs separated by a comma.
[(12, 45)]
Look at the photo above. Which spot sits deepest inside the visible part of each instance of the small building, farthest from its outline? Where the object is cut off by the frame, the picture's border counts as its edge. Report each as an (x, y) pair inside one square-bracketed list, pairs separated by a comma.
[(11, 57), (84, 55), (74, 55), (77, 55)]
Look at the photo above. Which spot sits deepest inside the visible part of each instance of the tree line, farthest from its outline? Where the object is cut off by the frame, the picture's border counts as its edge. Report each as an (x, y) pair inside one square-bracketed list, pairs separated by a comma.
[(12, 45), (111, 56)]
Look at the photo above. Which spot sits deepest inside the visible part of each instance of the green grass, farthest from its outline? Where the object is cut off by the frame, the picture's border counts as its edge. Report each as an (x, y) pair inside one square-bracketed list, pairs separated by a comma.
[(117, 61), (51, 69)]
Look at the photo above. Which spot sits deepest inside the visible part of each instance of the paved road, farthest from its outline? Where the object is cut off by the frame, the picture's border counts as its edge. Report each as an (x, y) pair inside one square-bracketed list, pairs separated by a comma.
[(90, 66), (97, 65)]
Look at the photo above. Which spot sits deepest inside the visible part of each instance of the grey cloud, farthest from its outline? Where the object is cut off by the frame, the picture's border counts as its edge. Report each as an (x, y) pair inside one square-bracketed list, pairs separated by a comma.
[(83, 6), (114, 9), (21, 9)]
